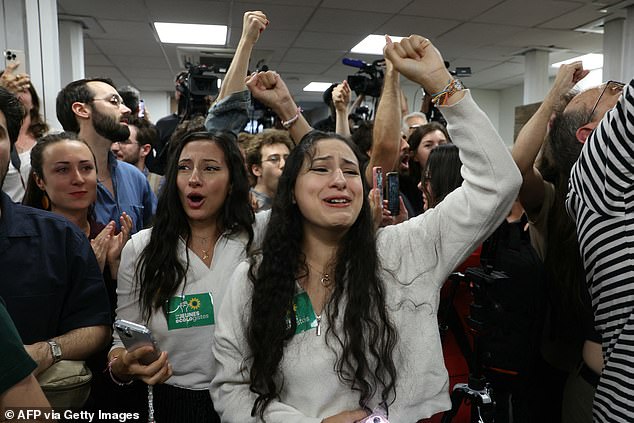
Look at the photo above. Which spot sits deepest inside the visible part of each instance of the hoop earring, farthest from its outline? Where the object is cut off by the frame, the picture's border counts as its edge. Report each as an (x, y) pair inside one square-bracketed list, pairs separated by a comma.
[(46, 204)]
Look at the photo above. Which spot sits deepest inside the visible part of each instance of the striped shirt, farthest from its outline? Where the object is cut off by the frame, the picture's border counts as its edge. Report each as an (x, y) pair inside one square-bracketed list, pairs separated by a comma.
[(601, 200)]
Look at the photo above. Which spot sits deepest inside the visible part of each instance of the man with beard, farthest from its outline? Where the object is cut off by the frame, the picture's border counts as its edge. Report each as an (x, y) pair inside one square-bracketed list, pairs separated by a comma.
[(94, 109)]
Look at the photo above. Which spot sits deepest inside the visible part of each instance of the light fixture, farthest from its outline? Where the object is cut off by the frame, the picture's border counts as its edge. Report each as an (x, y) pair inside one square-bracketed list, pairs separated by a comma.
[(590, 61), (373, 44), (178, 33), (318, 87)]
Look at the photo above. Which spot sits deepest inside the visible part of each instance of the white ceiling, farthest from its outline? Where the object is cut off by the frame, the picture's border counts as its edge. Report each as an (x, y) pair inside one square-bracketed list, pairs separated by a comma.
[(307, 39)]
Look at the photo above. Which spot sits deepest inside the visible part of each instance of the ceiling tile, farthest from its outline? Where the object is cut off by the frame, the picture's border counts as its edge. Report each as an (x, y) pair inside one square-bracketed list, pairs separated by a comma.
[(341, 42), (404, 26), (392, 6), (451, 9), (526, 13), (346, 21)]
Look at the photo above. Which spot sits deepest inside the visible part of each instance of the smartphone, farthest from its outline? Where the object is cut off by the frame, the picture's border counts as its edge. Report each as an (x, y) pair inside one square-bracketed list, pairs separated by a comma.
[(377, 180), (11, 56), (141, 108), (393, 193), (134, 335)]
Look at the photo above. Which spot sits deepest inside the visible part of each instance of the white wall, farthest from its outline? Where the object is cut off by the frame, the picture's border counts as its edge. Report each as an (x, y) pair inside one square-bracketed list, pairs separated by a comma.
[(510, 98), (157, 103)]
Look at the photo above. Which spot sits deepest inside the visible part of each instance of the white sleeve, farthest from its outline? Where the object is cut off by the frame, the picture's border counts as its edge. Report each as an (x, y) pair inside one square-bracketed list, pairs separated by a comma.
[(437, 241), (128, 305), (230, 392)]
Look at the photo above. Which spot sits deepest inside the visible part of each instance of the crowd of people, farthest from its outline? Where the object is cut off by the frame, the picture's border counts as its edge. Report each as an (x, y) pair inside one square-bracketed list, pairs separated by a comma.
[(275, 281)]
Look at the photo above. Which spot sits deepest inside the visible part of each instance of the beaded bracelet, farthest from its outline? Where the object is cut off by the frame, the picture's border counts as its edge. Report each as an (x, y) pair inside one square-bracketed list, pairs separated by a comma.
[(114, 379), (288, 123), (452, 87)]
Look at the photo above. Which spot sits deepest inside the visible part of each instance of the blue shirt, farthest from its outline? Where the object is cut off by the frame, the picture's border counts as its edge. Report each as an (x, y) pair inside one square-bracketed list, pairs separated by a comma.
[(49, 276), (132, 195)]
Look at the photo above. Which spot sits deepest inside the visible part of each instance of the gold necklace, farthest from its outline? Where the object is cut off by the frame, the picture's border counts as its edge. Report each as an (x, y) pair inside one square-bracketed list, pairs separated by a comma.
[(325, 277), (203, 250)]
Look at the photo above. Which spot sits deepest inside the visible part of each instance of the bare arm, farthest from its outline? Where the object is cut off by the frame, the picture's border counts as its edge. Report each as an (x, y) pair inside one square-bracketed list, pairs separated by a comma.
[(253, 24), (386, 136), (26, 393), (269, 88), (341, 99), (531, 137), (78, 344)]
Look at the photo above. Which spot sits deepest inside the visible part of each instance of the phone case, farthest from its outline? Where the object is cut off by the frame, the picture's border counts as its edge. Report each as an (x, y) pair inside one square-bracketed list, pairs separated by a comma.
[(134, 335), (393, 193), (14, 55), (377, 180)]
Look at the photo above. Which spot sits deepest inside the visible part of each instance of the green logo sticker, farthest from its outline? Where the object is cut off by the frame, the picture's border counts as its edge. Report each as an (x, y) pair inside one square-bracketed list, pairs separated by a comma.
[(190, 310), (304, 313)]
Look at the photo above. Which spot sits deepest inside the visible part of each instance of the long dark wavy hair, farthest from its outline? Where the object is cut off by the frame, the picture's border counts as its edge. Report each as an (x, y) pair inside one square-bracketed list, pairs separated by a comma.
[(563, 261), (442, 173), (367, 337), (160, 270)]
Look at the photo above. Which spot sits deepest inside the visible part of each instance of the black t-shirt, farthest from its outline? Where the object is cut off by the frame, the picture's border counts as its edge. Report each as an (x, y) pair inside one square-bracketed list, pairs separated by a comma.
[(15, 362)]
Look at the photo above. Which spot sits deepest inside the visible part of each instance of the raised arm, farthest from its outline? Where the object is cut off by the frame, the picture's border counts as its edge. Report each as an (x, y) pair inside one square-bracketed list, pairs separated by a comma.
[(341, 99), (491, 180), (386, 135), (269, 88), (229, 112), (531, 137), (253, 23)]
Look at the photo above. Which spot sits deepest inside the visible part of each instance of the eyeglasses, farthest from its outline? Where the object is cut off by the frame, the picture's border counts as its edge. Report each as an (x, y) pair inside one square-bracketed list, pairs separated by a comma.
[(115, 100), (613, 87), (276, 159), (126, 142)]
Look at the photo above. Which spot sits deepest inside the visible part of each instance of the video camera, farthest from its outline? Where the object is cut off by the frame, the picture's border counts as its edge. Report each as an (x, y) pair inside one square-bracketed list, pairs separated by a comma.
[(196, 86), (368, 80)]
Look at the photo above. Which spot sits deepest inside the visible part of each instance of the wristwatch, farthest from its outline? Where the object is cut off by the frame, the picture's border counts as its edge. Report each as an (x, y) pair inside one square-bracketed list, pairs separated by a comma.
[(56, 350)]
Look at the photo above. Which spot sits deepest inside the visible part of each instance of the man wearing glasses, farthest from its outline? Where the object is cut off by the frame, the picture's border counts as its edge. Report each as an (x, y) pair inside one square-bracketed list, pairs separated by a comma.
[(94, 109), (266, 157), (601, 201)]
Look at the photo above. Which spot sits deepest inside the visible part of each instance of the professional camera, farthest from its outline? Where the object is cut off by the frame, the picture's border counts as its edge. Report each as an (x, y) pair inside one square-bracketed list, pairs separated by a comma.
[(196, 85), (368, 80)]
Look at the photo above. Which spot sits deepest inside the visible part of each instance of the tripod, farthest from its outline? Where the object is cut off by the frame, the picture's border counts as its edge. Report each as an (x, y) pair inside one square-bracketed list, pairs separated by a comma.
[(477, 392)]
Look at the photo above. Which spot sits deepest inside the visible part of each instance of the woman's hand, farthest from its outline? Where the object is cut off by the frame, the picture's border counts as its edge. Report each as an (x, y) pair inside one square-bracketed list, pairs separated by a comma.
[(350, 416), (117, 242), (14, 83), (128, 365), (100, 245)]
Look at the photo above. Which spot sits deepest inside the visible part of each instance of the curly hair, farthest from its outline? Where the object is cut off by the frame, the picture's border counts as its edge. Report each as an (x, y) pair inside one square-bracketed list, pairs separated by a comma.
[(159, 270), (366, 339)]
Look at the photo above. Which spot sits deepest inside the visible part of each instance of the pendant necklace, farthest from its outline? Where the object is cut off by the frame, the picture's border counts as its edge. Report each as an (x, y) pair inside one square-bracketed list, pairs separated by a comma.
[(203, 244), (324, 280)]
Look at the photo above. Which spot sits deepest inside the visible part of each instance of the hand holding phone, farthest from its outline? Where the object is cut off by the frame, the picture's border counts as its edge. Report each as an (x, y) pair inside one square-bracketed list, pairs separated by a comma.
[(135, 336), (16, 60)]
